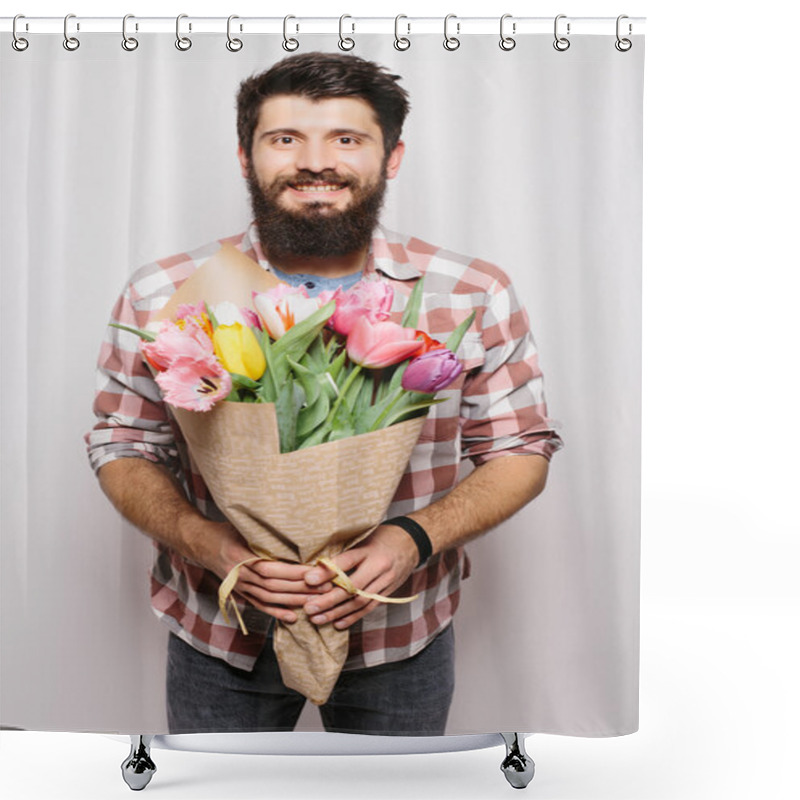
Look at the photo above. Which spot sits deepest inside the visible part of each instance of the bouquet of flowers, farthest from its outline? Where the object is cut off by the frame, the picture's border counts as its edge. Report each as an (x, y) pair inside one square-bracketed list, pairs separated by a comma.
[(300, 414)]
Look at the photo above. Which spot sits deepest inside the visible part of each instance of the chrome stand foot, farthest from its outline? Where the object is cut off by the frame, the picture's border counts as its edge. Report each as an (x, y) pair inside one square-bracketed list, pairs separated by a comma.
[(138, 768), (518, 766)]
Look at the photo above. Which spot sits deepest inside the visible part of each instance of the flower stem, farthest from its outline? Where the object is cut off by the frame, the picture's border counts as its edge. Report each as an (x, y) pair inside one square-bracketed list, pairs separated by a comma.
[(398, 394), (342, 392)]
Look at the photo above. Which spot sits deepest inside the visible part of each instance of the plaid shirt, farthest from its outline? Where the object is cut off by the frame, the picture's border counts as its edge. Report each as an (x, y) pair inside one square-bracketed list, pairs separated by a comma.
[(495, 408)]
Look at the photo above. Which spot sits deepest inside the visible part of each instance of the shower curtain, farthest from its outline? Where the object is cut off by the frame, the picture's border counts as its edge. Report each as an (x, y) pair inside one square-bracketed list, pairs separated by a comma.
[(527, 158)]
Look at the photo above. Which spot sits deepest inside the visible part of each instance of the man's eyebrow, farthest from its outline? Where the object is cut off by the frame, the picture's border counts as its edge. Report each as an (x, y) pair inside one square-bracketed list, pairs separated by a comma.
[(335, 132)]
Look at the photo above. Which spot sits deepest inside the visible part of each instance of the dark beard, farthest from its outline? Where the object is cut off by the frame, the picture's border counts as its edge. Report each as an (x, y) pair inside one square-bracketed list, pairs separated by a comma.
[(315, 232)]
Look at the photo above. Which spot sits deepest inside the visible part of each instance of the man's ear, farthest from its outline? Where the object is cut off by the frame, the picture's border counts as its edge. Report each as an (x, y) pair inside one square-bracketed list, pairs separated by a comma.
[(244, 161), (394, 160)]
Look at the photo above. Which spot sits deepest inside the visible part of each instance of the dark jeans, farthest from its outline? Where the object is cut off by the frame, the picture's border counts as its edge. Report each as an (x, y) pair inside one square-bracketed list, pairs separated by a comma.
[(405, 698)]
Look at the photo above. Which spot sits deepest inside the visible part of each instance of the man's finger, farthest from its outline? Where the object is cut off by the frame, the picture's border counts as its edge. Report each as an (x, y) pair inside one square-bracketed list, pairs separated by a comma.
[(346, 561), (279, 612), (273, 598), (278, 569)]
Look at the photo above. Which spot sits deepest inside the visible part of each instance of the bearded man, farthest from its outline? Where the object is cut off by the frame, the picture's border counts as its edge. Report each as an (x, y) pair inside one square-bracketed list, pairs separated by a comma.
[(319, 137)]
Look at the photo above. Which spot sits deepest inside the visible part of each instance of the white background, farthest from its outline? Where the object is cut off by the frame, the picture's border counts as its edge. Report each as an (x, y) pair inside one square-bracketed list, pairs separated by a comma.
[(720, 596)]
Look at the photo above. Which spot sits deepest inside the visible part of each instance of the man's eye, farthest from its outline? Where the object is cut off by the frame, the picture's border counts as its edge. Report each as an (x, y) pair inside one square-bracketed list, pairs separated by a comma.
[(346, 140), (284, 140)]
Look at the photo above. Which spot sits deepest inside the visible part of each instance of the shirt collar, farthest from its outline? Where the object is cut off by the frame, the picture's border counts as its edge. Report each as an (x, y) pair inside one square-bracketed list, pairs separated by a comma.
[(386, 254)]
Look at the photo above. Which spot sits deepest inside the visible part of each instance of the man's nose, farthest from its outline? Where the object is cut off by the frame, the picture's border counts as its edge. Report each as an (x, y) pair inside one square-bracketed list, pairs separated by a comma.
[(315, 157)]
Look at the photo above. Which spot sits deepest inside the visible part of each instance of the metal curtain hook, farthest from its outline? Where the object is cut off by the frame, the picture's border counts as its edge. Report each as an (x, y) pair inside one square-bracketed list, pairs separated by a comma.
[(18, 42), (129, 43), (345, 42), (507, 42), (623, 45), (451, 42), (289, 44), (70, 42), (561, 43), (182, 42), (401, 42), (234, 45)]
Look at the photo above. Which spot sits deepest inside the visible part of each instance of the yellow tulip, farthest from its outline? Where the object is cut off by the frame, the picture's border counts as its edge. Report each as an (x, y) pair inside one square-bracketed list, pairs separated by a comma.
[(239, 351)]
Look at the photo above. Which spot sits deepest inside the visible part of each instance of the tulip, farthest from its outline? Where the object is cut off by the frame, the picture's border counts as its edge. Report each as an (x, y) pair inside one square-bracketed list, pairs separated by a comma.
[(381, 344), (185, 341), (195, 385), (371, 299), (431, 371), (228, 313), (238, 350), (429, 343), (283, 307)]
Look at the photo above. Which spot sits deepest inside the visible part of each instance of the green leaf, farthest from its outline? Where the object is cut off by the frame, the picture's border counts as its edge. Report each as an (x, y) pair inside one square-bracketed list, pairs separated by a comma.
[(243, 382), (354, 390), (308, 380), (318, 437), (397, 376), (269, 387), (286, 412), (312, 416), (146, 335), (408, 411), (454, 340), (299, 337), (411, 314), (336, 367), (341, 425)]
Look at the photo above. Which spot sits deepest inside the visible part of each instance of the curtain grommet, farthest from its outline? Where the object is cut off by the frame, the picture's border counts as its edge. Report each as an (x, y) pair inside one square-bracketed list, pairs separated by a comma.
[(561, 43), (507, 42), (19, 43), (401, 43), (346, 43), (70, 43), (233, 44), (183, 43), (451, 42), (623, 44), (289, 44), (129, 43)]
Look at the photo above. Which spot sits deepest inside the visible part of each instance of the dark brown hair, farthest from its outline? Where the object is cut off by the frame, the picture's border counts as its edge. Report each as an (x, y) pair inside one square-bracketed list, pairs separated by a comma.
[(323, 75)]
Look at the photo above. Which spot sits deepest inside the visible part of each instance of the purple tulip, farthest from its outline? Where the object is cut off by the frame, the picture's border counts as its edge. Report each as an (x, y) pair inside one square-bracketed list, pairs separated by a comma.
[(431, 371)]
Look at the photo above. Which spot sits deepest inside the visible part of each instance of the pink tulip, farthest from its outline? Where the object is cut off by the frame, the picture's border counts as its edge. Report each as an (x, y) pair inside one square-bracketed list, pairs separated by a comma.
[(252, 319), (381, 344), (185, 341), (371, 299), (431, 371), (194, 385), (283, 307), (186, 310)]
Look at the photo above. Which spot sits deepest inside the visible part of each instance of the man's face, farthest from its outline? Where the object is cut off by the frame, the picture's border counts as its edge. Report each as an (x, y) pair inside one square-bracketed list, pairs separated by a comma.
[(317, 175)]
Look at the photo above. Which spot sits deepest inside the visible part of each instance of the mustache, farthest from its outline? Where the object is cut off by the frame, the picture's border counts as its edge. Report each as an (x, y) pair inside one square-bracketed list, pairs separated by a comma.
[(307, 176)]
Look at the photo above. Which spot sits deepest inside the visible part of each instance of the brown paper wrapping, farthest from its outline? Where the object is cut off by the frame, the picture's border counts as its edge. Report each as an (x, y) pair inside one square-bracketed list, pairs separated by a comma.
[(299, 506)]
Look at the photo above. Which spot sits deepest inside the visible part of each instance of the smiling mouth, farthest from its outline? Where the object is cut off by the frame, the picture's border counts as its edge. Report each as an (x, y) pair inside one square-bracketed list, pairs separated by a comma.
[(317, 187)]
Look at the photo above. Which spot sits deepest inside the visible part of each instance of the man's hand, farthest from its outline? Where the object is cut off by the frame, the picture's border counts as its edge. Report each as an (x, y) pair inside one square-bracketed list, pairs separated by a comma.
[(380, 564), (273, 587)]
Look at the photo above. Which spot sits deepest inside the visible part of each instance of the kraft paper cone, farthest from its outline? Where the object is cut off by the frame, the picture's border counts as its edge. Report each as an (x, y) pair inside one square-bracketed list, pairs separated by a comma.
[(228, 275), (298, 507)]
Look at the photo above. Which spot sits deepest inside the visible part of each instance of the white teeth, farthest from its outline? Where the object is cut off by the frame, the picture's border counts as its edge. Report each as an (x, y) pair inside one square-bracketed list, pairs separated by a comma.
[(318, 187)]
